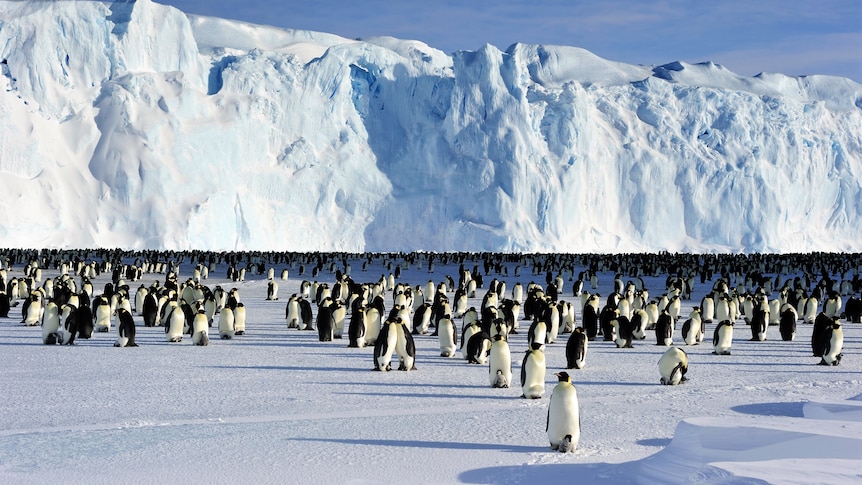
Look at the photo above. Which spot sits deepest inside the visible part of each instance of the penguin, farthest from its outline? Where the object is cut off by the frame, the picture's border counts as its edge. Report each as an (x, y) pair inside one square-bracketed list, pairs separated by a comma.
[(639, 323), (707, 308), (239, 319), (533, 372), (447, 336), (102, 314), (834, 341), (819, 341), (291, 312), (372, 325), (564, 421), (272, 290), (672, 366), (200, 329), (692, 328), (787, 323), (664, 329), (722, 338), (469, 330), (622, 331), (125, 329), (69, 328), (51, 324), (324, 323), (422, 319), (500, 362), (759, 324), (84, 321), (32, 310), (384, 346), (576, 349), (356, 329), (405, 347), (590, 317), (538, 332), (176, 325), (226, 322), (478, 348), (5, 304), (339, 319)]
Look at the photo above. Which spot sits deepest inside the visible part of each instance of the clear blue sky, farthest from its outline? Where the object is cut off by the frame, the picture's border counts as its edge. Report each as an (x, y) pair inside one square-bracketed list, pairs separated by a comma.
[(794, 37)]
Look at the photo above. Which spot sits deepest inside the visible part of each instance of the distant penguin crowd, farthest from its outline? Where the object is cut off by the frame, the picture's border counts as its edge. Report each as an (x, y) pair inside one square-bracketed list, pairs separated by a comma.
[(748, 293)]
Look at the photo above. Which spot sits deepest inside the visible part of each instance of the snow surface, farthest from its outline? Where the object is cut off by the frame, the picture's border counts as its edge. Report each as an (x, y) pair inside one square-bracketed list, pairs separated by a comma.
[(278, 406), (132, 124)]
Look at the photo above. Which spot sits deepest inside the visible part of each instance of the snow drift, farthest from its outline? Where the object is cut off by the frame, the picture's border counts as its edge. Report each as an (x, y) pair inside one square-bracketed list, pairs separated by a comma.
[(133, 124)]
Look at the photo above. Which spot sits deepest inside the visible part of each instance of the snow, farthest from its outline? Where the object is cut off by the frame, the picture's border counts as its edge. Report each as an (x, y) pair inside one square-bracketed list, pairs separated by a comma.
[(133, 124), (277, 405)]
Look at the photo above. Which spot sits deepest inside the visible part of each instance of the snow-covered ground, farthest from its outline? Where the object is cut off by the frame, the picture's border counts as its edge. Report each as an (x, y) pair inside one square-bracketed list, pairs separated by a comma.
[(278, 406)]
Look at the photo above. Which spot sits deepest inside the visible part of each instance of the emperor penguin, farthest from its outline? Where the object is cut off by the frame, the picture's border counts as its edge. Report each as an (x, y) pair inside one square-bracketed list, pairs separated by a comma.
[(102, 314), (405, 347), (722, 338), (324, 323), (832, 305), (272, 290), (834, 342), (447, 336), (622, 330), (125, 329), (69, 328), (384, 346), (533, 372), (564, 421), (639, 322), (226, 321), (291, 312), (692, 328), (32, 310), (478, 348), (819, 341), (787, 323), (538, 332), (372, 325), (590, 316), (707, 308), (51, 324), (576, 349), (239, 319), (175, 327), (339, 319), (759, 323), (84, 320), (356, 329), (200, 329), (500, 362), (664, 329), (469, 330), (672, 366)]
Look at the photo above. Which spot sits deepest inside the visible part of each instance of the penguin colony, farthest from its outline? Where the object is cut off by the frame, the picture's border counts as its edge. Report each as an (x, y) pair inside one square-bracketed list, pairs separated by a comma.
[(793, 292)]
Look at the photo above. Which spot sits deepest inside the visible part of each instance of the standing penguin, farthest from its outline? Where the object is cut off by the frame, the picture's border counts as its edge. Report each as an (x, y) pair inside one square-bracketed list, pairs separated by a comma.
[(384, 346), (69, 327), (538, 332), (200, 329), (478, 348), (239, 319), (356, 329), (272, 290), (226, 321), (51, 324), (664, 329), (672, 366), (564, 421), (175, 327), (759, 323), (102, 314), (125, 329), (819, 334), (622, 330), (590, 316), (722, 338), (692, 328), (787, 323), (576, 349), (500, 362), (533, 372), (405, 347), (447, 335), (834, 339)]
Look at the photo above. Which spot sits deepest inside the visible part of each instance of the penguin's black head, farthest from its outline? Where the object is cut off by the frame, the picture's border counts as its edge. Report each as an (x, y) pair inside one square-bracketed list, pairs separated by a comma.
[(563, 377)]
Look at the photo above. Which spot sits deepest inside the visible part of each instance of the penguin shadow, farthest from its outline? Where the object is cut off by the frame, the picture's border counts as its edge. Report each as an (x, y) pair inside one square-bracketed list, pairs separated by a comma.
[(428, 395), (434, 445), (377, 384), (286, 368), (783, 409), (551, 473)]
